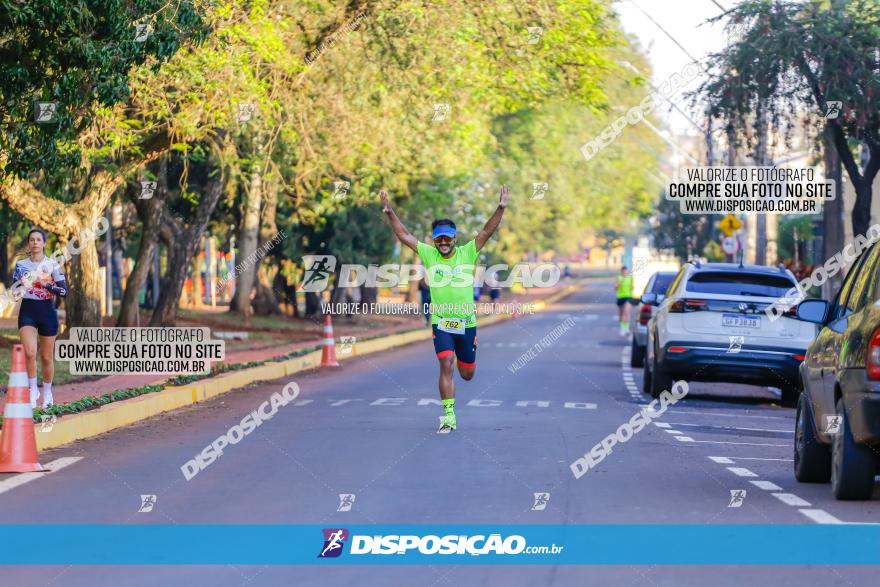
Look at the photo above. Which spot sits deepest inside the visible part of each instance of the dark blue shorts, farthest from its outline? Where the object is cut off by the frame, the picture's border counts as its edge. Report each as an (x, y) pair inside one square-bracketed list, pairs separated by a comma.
[(463, 346), (40, 314)]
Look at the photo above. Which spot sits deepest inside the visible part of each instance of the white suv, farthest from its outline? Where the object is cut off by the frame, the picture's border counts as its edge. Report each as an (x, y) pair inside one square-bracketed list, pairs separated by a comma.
[(712, 327)]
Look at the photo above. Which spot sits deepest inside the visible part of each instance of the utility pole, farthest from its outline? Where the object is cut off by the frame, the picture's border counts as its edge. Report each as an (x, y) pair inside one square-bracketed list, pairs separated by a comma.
[(760, 161)]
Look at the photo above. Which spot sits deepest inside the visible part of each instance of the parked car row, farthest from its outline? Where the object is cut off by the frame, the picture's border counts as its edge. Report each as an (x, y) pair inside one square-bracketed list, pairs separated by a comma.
[(707, 323)]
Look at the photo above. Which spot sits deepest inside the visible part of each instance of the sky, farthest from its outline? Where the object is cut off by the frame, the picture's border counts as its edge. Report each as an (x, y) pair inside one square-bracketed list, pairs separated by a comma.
[(685, 20)]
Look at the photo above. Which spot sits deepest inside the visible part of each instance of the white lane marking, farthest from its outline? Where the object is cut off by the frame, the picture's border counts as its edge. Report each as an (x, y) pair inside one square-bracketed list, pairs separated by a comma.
[(821, 517), (739, 443), (23, 478), (684, 438), (662, 425), (721, 460), (766, 485), (671, 431), (741, 472), (734, 428), (701, 413), (791, 499), (760, 459)]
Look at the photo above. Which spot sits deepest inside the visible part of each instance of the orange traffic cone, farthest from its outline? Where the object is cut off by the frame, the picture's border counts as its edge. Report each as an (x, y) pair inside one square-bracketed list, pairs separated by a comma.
[(18, 444), (328, 356)]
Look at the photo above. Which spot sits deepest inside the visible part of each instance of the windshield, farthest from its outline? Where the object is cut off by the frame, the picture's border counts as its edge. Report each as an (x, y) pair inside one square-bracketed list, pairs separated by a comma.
[(739, 284), (661, 284)]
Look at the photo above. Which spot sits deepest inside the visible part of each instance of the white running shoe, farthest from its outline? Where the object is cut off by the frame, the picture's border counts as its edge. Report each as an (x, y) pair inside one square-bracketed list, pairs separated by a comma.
[(35, 395), (48, 400)]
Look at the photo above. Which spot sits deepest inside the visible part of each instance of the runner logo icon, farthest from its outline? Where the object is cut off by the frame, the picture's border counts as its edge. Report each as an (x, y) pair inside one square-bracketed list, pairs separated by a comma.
[(334, 540), (346, 500), (541, 500), (318, 269)]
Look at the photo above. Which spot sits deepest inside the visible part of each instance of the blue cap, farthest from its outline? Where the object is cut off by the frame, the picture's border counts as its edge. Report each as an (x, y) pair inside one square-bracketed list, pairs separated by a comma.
[(443, 230)]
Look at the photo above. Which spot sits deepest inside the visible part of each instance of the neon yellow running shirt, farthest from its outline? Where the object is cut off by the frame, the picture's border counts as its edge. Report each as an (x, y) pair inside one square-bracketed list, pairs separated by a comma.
[(625, 286), (451, 282)]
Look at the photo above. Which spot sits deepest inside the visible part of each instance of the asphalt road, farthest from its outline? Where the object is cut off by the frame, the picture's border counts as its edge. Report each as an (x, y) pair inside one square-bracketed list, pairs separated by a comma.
[(369, 429)]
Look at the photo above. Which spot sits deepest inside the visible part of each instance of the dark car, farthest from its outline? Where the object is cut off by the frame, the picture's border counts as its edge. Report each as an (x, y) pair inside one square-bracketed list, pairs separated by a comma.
[(654, 291), (837, 426)]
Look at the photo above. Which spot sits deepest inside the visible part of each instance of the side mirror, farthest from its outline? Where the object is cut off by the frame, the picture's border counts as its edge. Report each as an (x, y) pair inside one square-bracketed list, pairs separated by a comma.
[(649, 298), (815, 311)]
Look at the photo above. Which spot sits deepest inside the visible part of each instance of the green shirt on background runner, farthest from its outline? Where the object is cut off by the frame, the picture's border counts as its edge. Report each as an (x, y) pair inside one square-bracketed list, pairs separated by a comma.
[(624, 286), (452, 296)]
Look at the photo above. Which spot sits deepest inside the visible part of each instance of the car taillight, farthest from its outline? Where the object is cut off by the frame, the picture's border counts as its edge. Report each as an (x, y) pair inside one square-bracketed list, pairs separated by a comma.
[(872, 362), (644, 314), (687, 305), (791, 312)]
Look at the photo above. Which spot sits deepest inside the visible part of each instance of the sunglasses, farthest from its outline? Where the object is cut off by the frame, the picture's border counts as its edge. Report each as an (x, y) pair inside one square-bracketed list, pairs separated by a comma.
[(443, 240)]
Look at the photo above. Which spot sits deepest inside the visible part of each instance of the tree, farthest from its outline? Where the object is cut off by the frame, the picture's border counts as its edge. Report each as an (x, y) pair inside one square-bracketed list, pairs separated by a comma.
[(790, 55), (44, 174), (80, 60)]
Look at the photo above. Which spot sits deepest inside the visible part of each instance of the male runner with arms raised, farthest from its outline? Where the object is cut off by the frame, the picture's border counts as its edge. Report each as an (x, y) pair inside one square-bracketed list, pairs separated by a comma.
[(454, 319)]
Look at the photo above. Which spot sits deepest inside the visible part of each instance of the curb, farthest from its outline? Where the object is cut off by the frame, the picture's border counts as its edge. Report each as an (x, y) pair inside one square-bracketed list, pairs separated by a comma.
[(118, 414)]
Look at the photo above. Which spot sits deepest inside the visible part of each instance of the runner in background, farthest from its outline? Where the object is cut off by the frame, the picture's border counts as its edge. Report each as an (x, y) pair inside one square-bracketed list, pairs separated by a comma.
[(624, 299), (37, 319)]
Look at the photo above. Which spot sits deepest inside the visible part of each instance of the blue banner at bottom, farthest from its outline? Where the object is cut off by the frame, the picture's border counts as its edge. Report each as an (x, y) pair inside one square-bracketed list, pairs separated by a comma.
[(453, 544)]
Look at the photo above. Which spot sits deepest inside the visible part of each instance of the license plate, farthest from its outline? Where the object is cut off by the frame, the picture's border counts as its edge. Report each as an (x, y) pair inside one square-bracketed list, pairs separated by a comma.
[(453, 325), (740, 321)]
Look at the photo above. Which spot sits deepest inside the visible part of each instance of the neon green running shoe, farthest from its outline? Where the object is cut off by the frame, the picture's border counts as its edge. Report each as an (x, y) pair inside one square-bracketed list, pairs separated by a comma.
[(447, 424)]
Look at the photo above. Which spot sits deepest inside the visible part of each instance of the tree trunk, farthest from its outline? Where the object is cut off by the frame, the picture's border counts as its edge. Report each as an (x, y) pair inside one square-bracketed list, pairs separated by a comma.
[(248, 244), (266, 302), (150, 213), (861, 213), (833, 232), (183, 251), (128, 314), (83, 276)]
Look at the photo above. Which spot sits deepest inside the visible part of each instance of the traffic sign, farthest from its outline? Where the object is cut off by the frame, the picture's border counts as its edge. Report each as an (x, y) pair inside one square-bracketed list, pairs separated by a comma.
[(730, 245), (730, 224)]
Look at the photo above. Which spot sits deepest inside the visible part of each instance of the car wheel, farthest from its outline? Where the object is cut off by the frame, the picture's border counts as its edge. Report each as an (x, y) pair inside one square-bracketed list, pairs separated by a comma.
[(637, 356), (852, 464), (646, 378), (812, 459), (660, 379)]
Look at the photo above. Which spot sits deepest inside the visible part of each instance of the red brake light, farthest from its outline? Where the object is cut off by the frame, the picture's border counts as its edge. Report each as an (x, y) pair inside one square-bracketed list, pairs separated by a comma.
[(676, 349), (799, 357), (791, 312), (644, 314), (872, 362), (687, 305)]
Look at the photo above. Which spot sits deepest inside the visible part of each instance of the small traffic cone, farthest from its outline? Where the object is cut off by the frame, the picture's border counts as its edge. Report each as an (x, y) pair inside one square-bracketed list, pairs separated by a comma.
[(18, 444), (328, 356)]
